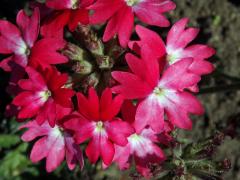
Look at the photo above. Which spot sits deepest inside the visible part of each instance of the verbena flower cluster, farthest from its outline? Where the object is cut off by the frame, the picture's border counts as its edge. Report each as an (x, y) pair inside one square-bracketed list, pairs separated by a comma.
[(125, 120)]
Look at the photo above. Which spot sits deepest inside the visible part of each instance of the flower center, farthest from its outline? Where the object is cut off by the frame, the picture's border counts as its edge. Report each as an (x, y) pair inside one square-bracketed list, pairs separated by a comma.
[(99, 126), (27, 51), (75, 4), (134, 138), (173, 55), (158, 91), (45, 95), (132, 2)]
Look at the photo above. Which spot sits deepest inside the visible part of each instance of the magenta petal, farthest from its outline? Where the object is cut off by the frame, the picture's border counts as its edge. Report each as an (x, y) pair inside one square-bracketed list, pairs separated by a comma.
[(176, 31), (178, 116), (118, 131), (82, 127), (149, 112), (59, 5), (107, 151), (93, 150), (151, 12), (122, 156), (73, 153), (34, 130), (39, 150), (29, 26), (56, 153), (103, 10), (122, 24), (131, 87), (178, 76), (153, 40)]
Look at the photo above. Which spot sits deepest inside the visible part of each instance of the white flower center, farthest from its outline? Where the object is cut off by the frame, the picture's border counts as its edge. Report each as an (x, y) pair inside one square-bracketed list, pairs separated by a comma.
[(140, 145), (132, 2), (173, 55), (44, 95), (74, 4), (22, 48), (99, 127)]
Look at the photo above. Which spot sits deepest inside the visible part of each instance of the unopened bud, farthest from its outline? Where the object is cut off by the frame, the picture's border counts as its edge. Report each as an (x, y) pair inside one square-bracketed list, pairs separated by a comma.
[(91, 81), (82, 67), (74, 52), (89, 39), (104, 62)]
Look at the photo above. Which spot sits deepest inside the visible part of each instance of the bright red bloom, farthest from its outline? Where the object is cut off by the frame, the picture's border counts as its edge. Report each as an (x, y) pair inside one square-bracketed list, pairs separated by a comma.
[(41, 94), (176, 47), (66, 12), (54, 145), (120, 15), (141, 146), (96, 121), (158, 95), (21, 43)]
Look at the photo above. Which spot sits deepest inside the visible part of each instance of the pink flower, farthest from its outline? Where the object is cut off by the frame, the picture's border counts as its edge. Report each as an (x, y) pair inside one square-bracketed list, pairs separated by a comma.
[(67, 12), (41, 94), (141, 146), (21, 43), (177, 47), (158, 95), (96, 121), (54, 145), (120, 15)]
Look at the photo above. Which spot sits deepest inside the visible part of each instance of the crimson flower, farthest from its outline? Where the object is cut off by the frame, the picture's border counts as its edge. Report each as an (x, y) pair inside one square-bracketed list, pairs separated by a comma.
[(54, 145), (95, 120), (141, 146), (120, 15), (41, 94), (176, 47), (158, 95), (23, 46), (67, 12)]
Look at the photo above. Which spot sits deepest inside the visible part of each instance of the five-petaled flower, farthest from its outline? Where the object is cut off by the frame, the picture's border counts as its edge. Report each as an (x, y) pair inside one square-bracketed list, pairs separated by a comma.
[(67, 12), (54, 144), (120, 15), (96, 120), (42, 92), (176, 47), (158, 95), (142, 146), (21, 43)]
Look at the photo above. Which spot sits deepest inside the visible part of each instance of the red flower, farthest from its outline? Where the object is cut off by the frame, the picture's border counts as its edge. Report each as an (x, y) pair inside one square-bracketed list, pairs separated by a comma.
[(96, 121), (41, 93), (53, 145), (67, 12), (176, 47), (141, 146), (158, 95), (21, 42), (120, 15)]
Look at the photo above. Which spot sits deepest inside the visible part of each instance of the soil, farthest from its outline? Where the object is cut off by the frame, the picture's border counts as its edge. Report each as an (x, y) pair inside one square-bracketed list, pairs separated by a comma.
[(219, 21)]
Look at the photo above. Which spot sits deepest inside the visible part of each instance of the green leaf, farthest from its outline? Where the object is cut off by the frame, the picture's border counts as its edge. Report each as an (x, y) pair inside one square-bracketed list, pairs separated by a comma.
[(7, 141)]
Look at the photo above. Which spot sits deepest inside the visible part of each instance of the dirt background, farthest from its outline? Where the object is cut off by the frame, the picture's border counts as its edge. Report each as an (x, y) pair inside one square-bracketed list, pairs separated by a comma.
[(219, 21)]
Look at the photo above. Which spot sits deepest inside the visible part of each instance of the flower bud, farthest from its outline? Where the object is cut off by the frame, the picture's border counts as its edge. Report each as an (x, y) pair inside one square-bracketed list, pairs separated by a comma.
[(89, 39), (74, 52), (82, 67), (104, 62), (90, 81)]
